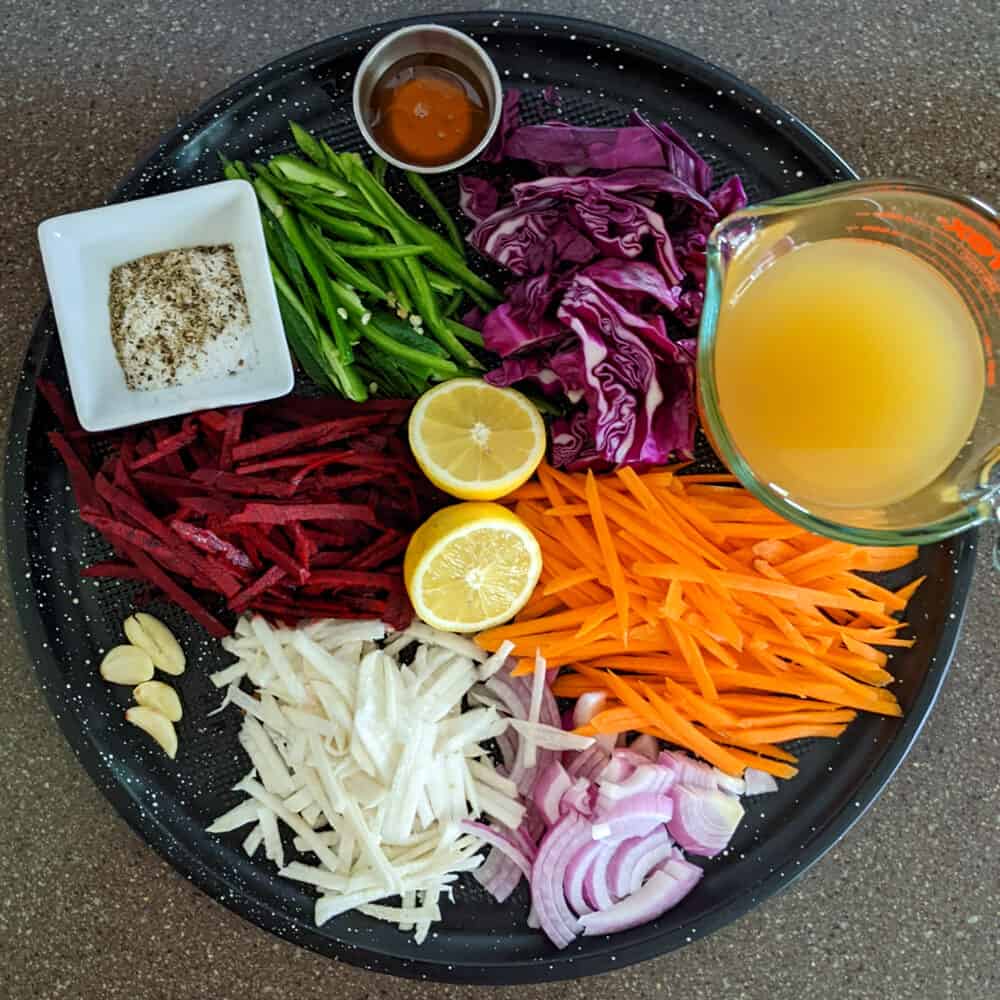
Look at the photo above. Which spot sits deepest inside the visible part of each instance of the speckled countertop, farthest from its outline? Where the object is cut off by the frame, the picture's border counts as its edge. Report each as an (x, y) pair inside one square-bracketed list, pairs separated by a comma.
[(906, 907)]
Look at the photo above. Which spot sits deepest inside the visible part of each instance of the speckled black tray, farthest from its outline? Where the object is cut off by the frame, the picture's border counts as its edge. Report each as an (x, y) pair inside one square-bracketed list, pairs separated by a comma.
[(601, 74)]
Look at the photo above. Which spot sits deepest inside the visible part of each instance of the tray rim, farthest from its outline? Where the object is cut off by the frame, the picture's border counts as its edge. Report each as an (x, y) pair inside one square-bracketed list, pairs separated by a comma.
[(46, 666)]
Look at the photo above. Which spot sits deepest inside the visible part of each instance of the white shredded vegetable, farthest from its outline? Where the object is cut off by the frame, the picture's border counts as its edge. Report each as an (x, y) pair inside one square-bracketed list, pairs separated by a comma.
[(371, 762)]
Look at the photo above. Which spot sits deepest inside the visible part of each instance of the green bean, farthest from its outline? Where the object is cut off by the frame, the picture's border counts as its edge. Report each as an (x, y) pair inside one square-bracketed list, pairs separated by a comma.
[(406, 333), (235, 170), (345, 229), (440, 283), (382, 251), (283, 253), (304, 249), (411, 355), (397, 276), (454, 304), (443, 253), (423, 189), (465, 333), (308, 144), (379, 167), (343, 269), (320, 350), (426, 305), (296, 170)]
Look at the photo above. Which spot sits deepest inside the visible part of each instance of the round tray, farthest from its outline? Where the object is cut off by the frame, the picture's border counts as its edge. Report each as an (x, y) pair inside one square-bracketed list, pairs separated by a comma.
[(601, 73)]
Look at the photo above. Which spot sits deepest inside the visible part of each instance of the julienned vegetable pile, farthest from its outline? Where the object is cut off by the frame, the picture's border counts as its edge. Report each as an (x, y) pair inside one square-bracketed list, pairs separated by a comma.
[(368, 745), (369, 295), (693, 613), (300, 508), (607, 240)]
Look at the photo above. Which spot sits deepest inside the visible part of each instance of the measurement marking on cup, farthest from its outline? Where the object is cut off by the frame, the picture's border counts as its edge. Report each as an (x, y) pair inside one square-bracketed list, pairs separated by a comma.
[(973, 239)]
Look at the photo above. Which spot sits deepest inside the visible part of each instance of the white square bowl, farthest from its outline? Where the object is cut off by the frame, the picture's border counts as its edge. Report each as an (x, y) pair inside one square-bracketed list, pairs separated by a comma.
[(79, 252)]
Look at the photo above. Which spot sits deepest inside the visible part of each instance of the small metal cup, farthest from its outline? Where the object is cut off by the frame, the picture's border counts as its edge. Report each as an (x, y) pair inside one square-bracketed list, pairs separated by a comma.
[(422, 39)]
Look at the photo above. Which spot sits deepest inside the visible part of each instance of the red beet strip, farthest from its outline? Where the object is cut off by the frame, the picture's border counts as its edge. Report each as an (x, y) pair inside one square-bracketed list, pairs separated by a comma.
[(253, 509), (273, 513)]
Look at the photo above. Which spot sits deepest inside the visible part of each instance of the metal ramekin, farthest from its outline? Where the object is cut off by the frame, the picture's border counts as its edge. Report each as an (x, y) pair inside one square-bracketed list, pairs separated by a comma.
[(421, 39)]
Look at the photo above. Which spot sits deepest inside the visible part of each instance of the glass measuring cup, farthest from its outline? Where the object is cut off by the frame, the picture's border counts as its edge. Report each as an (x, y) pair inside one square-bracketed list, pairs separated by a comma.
[(959, 237)]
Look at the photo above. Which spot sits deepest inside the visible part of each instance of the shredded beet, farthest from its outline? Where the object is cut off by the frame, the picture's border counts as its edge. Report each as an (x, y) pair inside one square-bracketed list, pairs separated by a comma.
[(295, 509)]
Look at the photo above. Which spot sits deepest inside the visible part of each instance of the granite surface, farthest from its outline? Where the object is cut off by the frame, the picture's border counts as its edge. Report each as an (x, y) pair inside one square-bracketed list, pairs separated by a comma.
[(906, 907)]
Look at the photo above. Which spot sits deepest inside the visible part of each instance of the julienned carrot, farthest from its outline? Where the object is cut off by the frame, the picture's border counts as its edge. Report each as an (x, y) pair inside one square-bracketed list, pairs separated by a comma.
[(616, 575), (777, 768), (782, 734), (737, 623), (797, 718)]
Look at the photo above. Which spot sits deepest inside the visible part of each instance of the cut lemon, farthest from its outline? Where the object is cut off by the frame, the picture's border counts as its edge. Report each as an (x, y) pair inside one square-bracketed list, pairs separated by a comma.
[(474, 440), (471, 566)]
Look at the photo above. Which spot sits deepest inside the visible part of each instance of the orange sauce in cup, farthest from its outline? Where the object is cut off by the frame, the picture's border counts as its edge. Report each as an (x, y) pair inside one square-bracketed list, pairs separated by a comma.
[(428, 110)]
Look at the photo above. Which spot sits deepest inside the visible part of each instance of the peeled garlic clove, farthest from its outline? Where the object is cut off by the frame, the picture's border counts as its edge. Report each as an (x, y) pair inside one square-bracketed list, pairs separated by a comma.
[(155, 638), (155, 724), (126, 665), (161, 697)]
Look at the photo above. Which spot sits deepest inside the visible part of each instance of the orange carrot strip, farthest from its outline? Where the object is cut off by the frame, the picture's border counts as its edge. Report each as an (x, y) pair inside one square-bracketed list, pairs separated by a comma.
[(700, 709), (905, 593), (567, 580), (775, 704), (772, 588), (614, 567), (687, 735), (784, 734), (692, 655), (881, 595), (777, 768), (884, 560), (797, 718), (529, 491), (673, 606)]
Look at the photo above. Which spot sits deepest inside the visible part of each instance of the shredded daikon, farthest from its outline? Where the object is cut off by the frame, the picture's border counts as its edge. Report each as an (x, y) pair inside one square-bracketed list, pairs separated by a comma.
[(370, 762)]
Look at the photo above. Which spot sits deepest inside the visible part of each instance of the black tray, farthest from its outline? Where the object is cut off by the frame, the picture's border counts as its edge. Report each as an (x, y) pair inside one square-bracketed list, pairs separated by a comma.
[(601, 73)]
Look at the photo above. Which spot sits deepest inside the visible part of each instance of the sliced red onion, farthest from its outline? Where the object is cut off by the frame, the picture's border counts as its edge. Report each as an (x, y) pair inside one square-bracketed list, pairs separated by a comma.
[(689, 772), (646, 745), (550, 787), (759, 782), (596, 891), (664, 890), (704, 821), (578, 798), (623, 762), (499, 842), (548, 873), (522, 839), (637, 816), (728, 784), (646, 779), (577, 870), (635, 858), (587, 763), (589, 704), (498, 875)]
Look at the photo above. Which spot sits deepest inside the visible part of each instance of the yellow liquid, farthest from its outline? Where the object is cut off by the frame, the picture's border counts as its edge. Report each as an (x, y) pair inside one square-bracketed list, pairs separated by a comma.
[(849, 373)]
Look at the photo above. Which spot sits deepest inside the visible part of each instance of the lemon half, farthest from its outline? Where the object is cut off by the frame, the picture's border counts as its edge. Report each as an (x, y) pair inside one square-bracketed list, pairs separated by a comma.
[(475, 440), (471, 566)]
